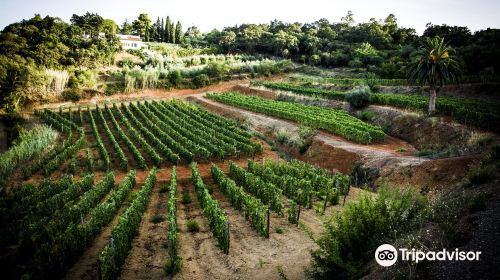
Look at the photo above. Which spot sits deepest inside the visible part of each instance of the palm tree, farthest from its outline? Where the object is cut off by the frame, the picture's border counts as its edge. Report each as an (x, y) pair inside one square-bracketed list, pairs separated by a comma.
[(436, 66)]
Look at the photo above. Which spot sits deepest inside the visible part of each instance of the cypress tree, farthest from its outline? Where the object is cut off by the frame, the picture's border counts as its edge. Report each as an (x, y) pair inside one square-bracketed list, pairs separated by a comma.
[(158, 31), (162, 31), (171, 32), (179, 36), (167, 30)]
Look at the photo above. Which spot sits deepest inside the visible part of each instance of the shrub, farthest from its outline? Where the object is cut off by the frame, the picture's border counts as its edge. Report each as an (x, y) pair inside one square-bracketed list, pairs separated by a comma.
[(157, 219), (163, 188), (359, 97), (481, 174), (193, 226), (172, 267), (175, 77), (279, 230), (201, 80), (367, 116), (351, 236), (186, 198)]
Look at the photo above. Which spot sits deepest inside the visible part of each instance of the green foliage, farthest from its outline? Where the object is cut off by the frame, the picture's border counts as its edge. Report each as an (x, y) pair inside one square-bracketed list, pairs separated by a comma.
[(217, 220), (336, 121), (367, 116), (186, 198), (482, 174), (157, 219), (113, 256), (192, 226), (359, 97), (30, 143), (201, 80), (254, 210), (293, 213), (353, 234)]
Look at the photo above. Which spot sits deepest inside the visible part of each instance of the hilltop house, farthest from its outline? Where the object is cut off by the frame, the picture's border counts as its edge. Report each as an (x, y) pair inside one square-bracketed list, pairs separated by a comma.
[(131, 42)]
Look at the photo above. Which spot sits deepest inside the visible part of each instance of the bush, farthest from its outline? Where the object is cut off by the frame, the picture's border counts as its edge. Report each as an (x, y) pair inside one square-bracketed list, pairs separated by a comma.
[(157, 219), (481, 174), (359, 97), (186, 198), (201, 80), (367, 116), (175, 77), (172, 267), (73, 94), (351, 236), (192, 226)]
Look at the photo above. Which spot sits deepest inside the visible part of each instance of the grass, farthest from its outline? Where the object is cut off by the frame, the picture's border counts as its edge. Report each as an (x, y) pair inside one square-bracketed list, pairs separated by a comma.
[(157, 219), (186, 198), (193, 226), (280, 230), (163, 188), (401, 150)]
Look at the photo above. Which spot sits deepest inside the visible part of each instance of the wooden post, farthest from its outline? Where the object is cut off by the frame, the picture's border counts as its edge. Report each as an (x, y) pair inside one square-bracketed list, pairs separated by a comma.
[(326, 201), (268, 222), (298, 215), (228, 238)]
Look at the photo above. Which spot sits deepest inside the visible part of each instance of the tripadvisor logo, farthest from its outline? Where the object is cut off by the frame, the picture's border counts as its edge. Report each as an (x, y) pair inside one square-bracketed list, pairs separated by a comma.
[(387, 255)]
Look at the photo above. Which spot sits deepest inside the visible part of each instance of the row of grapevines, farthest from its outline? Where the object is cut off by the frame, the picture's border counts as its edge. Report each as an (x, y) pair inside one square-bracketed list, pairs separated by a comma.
[(173, 232), (46, 229), (323, 183), (303, 90), (55, 258), (160, 131), (332, 120), (70, 150), (254, 210), (157, 142), (114, 254), (118, 150), (155, 157), (194, 134), (205, 133), (298, 189), (191, 144), (225, 129), (133, 149), (100, 145), (21, 208), (217, 219), (265, 191)]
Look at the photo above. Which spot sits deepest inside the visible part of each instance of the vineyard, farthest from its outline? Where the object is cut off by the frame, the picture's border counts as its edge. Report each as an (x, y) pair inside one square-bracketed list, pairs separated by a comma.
[(53, 224), (335, 121), (468, 111)]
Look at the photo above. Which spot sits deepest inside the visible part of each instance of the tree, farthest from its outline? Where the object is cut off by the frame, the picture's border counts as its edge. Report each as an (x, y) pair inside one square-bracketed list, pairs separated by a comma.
[(162, 31), (141, 26), (167, 38), (90, 23), (179, 36), (228, 40), (126, 28), (435, 66), (171, 32)]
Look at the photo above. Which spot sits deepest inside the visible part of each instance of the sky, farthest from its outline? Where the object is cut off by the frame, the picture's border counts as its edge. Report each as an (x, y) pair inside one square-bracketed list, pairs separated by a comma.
[(477, 15)]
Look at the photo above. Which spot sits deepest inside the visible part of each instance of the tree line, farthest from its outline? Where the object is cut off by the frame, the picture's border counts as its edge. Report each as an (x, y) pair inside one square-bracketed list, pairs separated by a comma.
[(160, 31)]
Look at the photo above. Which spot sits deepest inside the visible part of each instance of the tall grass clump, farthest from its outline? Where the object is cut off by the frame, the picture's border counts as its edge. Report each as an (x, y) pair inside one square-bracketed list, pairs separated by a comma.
[(57, 80), (28, 144), (351, 236)]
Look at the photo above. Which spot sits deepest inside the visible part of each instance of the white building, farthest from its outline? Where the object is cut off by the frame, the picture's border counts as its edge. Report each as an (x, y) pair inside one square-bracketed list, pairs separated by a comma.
[(131, 42)]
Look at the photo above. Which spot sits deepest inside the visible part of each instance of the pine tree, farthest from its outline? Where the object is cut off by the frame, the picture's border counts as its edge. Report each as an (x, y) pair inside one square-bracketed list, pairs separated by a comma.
[(167, 30), (179, 36)]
